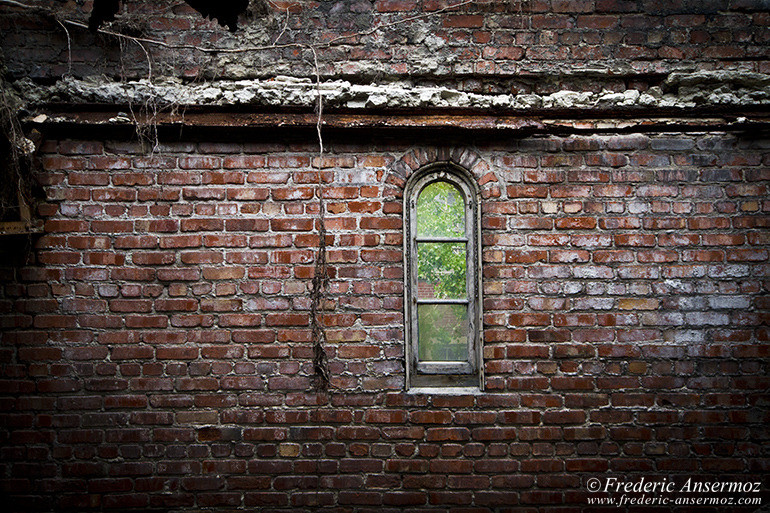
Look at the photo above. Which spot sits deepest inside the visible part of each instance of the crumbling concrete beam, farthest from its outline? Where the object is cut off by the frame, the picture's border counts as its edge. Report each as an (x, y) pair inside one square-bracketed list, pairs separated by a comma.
[(679, 91)]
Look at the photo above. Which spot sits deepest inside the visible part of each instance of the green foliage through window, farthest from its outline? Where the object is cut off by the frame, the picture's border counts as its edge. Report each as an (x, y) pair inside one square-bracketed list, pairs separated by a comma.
[(441, 273), (441, 266), (443, 333), (441, 270), (440, 211)]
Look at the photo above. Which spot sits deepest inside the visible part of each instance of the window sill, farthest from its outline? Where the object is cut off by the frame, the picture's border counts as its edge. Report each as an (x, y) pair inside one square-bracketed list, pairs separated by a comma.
[(445, 391), (20, 228)]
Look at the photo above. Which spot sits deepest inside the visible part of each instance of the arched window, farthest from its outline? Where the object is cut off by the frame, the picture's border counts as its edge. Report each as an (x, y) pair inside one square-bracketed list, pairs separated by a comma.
[(443, 289)]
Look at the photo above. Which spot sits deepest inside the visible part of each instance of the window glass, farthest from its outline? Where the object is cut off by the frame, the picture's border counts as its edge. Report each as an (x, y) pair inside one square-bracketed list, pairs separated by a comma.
[(443, 332), (440, 211), (441, 268)]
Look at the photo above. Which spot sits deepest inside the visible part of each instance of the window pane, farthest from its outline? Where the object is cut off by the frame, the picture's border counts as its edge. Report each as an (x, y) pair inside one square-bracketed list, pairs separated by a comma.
[(440, 211), (441, 270), (443, 333)]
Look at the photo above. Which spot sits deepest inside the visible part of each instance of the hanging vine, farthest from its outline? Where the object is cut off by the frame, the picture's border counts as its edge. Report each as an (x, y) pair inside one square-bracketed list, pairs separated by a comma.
[(320, 275)]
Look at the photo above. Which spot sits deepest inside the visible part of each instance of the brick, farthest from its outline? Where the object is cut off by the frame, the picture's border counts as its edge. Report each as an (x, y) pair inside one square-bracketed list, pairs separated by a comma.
[(65, 225), (601, 22), (291, 224), (399, 498), (606, 159), (527, 191), (545, 176), (464, 21), (386, 416), (531, 223), (430, 417), (395, 5), (281, 319), (88, 178), (490, 434), (672, 143)]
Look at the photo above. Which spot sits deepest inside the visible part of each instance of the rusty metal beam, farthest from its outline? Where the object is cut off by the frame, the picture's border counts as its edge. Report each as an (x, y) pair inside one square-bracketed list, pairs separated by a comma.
[(536, 122)]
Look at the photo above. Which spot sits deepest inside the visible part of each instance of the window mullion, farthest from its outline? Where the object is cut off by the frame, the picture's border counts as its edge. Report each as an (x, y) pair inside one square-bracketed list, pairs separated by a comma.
[(413, 280), (442, 239), (448, 301)]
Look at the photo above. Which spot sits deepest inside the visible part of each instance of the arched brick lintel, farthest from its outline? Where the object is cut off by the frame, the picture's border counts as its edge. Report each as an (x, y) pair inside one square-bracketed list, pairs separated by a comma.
[(399, 171)]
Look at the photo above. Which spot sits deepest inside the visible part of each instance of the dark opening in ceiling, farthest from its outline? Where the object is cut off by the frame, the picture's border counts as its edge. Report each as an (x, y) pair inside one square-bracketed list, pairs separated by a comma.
[(225, 12)]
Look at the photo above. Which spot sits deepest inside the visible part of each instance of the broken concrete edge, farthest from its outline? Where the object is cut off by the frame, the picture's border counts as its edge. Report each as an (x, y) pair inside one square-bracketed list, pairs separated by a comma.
[(678, 91)]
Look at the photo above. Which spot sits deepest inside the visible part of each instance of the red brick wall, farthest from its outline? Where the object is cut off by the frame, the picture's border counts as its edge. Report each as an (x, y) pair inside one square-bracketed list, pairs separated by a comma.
[(155, 346), (522, 39)]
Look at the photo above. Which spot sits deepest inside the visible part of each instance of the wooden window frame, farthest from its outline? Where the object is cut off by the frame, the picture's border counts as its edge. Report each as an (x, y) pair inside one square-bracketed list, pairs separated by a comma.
[(25, 225), (449, 375)]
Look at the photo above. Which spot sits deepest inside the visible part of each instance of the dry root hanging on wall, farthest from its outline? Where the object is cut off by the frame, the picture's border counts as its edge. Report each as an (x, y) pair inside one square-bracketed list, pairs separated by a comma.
[(320, 275)]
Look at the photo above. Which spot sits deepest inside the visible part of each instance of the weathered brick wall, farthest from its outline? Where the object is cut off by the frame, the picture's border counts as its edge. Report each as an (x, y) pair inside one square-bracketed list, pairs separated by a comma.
[(523, 39), (155, 350), (156, 346)]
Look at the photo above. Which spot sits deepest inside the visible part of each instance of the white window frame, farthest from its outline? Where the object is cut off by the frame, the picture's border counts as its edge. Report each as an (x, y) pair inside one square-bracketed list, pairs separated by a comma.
[(445, 375)]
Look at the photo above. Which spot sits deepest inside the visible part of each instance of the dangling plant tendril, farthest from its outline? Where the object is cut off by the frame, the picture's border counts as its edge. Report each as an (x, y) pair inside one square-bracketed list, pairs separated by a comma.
[(320, 275)]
